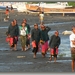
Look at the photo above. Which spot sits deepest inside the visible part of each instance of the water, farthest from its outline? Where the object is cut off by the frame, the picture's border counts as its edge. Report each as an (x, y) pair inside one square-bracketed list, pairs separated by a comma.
[(50, 24)]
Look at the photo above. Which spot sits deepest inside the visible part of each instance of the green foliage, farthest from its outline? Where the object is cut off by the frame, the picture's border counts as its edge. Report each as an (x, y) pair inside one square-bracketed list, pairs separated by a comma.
[(41, 1), (71, 4)]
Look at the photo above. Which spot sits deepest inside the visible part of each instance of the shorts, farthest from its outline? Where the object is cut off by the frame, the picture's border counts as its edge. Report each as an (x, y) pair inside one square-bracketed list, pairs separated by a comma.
[(73, 53)]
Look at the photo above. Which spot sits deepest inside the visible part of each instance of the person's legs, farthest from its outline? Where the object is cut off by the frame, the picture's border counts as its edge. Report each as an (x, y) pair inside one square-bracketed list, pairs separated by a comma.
[(72, 63), (23, 40), (55, 57), (7, 17), (28, 43), (15, 43), (34, 56), (34, 51), (50, 57), (43, 49), (73, 58), (51, 53), (15, 47)]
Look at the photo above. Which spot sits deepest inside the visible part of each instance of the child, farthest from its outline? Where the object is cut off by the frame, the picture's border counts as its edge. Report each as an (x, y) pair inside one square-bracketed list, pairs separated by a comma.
[(54, 45)]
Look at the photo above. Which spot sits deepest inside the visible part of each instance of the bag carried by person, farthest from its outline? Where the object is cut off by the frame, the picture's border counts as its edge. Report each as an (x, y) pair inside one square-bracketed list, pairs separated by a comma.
[(33, 44), (7, 39), (23, 32), (42, 42), (39, 48)]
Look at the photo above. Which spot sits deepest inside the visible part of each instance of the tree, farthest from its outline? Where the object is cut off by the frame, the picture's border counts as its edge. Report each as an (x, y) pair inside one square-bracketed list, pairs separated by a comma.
[(71, 4)]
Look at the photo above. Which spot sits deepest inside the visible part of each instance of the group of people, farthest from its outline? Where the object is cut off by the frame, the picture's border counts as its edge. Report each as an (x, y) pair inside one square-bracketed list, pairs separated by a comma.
[(14, 31), (7, 11), (39, 37)]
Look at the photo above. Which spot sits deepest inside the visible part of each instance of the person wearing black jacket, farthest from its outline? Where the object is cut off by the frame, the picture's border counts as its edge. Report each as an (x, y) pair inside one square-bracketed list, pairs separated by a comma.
[(44, 37), (17, 32), (13, 33), (54, 45), (35, 36)]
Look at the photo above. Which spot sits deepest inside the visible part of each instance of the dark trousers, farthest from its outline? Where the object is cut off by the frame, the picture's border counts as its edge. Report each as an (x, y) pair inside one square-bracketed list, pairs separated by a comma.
[(27, 42)]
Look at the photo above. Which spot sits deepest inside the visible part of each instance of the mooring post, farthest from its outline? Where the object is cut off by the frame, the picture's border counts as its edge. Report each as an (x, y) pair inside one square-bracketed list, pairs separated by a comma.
[(63, 14)]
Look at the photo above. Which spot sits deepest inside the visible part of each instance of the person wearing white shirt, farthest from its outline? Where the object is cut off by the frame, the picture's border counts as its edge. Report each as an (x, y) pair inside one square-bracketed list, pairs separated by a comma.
[(23, 34), (41, 15), (72, 45)]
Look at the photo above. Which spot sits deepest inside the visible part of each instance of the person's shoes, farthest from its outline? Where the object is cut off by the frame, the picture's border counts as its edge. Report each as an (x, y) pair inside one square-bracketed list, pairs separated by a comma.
[(29, 48), (5, 20), (72, 70), (34, 56), (11, 49), (55, 60), (43, 55), (15, 49), (25, 49)]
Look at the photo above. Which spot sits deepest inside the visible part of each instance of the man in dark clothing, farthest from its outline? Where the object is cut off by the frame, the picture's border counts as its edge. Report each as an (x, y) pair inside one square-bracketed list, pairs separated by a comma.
[(17, 32), (35, 35), (13, 33), (16, 24), (54, 44)]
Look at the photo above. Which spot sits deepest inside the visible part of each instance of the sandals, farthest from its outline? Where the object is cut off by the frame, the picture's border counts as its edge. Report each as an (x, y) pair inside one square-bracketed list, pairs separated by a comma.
[(34, 56)]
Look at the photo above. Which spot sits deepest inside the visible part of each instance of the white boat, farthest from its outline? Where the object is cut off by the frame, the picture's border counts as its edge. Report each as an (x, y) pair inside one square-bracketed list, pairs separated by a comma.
[(21, 6), (47, 6), (58, 5)]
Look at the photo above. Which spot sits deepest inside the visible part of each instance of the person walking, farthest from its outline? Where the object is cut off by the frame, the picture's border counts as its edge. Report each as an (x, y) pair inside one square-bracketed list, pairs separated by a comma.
[(11, 8), (54, 45), (17, 27), (72, 44), (23, 33), (29, 35), (44, 40), (41, 16), (35, 36), (12, 33), (6, 14)]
